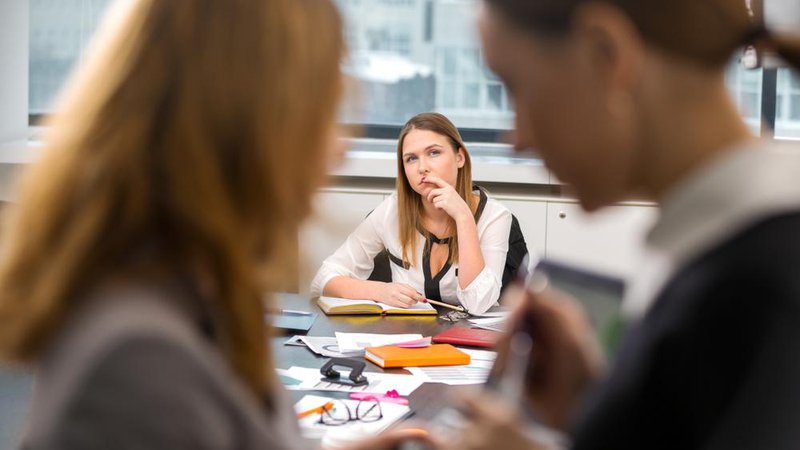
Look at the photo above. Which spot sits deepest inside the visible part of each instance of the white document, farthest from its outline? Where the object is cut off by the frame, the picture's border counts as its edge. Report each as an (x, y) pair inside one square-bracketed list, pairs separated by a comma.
[(480, 357), (476, 372), (495, 314), (311, 428), (379, 383), (490, 323), (453, 375), (327, 346), (350, 342)]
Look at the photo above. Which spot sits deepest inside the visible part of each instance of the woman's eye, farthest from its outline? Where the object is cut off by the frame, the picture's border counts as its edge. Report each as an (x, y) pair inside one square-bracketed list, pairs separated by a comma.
[(410, 159), (435, 152)]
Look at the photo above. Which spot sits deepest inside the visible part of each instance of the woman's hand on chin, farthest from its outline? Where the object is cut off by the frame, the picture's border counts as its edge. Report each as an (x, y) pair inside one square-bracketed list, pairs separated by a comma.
[(445, 197)]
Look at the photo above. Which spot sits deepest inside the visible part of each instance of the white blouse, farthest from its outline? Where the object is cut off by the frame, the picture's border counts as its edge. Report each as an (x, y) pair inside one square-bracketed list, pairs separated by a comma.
[(380, 230)]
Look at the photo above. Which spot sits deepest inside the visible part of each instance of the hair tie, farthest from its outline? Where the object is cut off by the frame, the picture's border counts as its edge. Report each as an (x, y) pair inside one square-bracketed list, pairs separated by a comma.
[(756, 35)]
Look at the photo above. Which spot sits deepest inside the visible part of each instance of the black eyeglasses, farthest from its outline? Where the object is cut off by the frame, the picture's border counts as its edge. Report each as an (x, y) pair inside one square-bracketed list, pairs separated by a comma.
[(367, 410)]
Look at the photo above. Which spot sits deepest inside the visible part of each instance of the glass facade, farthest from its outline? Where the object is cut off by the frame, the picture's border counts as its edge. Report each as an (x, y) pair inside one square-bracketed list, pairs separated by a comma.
[(787, 120), (406, 56), (745, 87), (410, 56), (60, 31)]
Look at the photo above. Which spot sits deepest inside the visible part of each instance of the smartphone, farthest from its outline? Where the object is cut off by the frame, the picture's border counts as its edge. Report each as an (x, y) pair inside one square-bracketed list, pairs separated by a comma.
[(600, 295)]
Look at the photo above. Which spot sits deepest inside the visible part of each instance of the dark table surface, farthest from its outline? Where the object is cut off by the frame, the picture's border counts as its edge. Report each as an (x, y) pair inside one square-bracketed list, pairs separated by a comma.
[(424, 402)]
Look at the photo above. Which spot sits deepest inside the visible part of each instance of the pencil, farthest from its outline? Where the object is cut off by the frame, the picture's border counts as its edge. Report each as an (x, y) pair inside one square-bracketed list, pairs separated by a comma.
[(446, 305), (318, 410)]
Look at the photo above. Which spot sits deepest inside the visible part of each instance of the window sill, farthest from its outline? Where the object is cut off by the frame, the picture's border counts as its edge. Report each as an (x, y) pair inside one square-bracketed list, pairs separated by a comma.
[(375, 158), (491, 163)]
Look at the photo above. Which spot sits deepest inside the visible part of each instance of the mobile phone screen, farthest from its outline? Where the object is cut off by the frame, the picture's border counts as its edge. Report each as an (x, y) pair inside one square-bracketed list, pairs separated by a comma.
[(600, 295)]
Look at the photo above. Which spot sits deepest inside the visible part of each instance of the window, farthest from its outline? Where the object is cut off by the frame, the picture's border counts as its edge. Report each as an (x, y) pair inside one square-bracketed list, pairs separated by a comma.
[(59, 33), (745, 86), (410, 56), (787, 120), (407, 56)]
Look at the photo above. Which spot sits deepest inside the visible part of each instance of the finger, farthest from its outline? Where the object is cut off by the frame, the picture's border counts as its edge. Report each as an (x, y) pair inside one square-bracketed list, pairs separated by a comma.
[(437, 181), (404, 300), (411, 292), (435, 193), (486, 408)]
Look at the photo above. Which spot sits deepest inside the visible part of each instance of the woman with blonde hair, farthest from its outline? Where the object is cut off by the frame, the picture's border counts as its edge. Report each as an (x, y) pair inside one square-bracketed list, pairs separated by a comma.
[(444, 238), (175, 171)]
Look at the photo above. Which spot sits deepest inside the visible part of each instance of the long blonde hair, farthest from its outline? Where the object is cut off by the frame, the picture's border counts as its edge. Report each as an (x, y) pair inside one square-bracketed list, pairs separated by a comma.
[(196, 130), (409, 202)]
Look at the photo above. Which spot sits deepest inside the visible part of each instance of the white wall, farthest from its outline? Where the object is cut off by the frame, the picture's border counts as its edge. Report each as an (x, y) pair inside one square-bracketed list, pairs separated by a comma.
[(782, 15), (13, 70)]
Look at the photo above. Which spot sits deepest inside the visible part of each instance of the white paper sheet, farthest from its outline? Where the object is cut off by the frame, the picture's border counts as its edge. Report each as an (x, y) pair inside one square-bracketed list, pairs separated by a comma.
[(453, 375), (490, 323), (349, 342), (379, 383), (495, 314), (311, 428), (327, 346), (476, 372)]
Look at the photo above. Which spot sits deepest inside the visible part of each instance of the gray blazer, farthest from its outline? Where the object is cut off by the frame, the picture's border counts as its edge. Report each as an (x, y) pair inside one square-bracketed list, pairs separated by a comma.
[(132, 370)]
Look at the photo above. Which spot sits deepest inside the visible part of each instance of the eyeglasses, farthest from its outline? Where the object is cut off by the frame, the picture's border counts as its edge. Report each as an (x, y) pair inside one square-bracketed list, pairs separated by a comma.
[(367, 410)]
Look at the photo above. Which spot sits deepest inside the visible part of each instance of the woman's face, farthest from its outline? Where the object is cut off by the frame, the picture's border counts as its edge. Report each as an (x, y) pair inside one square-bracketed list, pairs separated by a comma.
[(562, 109), (430, 153)]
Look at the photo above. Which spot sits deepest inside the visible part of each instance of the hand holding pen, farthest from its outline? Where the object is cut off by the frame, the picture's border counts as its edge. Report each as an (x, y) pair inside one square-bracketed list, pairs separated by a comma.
[(566, 357)]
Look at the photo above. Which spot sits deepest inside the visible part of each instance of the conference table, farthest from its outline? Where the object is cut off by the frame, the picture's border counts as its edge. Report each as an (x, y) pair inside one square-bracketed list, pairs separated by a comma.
[(424, 402)]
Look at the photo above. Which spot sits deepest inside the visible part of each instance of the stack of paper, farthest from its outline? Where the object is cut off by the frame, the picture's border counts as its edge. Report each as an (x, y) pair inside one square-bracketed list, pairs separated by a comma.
[(476, 372)]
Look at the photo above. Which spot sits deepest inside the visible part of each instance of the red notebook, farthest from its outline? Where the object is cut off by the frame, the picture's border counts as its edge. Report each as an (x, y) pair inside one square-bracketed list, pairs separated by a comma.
[(475, 337)]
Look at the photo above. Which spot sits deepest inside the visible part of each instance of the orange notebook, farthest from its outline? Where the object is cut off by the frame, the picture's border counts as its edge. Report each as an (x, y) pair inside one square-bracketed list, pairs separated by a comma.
[(434, 355)]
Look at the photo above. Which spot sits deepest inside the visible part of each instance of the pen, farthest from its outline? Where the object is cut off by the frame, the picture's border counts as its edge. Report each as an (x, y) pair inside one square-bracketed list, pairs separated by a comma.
[(446, 305), (317, 410)]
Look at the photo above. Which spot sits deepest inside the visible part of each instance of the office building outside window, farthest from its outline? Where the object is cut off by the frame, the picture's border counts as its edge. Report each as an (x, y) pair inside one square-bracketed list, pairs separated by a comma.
[(787, 120), (407, 56), (60, 31), (745, 87)]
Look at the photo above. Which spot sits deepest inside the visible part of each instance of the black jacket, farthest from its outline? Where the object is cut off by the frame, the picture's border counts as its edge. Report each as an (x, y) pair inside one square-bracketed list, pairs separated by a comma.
[(715, 363)]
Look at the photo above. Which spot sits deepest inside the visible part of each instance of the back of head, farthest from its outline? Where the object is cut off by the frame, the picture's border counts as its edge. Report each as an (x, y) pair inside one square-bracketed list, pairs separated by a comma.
[(702, 31), (190, 141)]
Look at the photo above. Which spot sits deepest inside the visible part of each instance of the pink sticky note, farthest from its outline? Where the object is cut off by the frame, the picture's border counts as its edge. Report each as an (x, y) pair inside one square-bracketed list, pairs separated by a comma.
[(415, 343)]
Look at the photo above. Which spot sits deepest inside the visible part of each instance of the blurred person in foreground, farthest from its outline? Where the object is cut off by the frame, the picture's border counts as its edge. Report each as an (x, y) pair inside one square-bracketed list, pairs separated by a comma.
[(628, 97), (174, 175)]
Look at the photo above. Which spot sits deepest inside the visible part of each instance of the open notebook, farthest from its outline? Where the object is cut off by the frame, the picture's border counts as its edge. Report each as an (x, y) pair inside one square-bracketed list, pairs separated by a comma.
[(334, 306)]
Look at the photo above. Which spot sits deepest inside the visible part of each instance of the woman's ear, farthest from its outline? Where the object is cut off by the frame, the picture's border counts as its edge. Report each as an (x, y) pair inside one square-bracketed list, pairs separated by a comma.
[(460, 159), (614, 47)]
